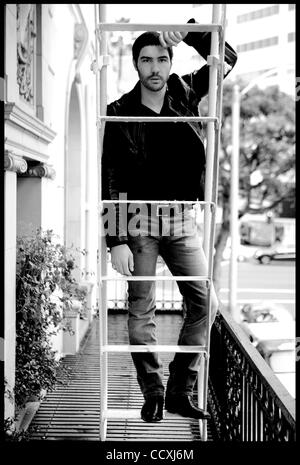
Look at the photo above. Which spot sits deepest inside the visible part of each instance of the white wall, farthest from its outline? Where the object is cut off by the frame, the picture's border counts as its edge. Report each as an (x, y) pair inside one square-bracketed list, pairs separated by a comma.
[(32, 202)]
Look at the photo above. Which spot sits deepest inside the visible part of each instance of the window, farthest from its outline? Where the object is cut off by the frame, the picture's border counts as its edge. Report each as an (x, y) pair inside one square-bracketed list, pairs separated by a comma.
[(257, 44), (262, 13)]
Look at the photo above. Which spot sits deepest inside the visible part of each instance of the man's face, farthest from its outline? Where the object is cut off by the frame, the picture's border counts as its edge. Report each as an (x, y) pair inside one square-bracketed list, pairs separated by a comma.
[(153, 67)]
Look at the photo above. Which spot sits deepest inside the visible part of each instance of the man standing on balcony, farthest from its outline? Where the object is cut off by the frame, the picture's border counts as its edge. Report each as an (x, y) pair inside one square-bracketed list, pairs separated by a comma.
[(160, 161)]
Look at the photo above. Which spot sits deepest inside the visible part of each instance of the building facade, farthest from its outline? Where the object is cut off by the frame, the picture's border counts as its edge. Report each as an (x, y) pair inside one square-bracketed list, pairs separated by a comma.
[(264, 37), (50, 122), (50, 144)]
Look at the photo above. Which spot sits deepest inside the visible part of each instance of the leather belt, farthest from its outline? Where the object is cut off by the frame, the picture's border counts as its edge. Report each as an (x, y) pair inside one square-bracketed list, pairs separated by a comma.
[(168, 210), (172, 209)]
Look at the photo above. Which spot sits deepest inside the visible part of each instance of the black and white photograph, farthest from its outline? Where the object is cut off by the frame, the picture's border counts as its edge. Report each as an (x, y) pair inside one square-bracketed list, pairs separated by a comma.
[(149, 227)]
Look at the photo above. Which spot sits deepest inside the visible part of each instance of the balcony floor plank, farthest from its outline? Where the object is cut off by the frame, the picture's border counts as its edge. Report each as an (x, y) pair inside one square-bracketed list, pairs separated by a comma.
[(72, 410)]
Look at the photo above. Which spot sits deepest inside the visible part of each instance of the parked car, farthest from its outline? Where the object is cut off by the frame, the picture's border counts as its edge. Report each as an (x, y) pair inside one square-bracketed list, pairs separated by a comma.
[(281, 357), (264, 312), (265, 256), (271, 329)]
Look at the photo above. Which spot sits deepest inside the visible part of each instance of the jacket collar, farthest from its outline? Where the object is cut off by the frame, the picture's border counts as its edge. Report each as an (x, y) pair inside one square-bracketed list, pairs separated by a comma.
[(130, 103), (132, 100)]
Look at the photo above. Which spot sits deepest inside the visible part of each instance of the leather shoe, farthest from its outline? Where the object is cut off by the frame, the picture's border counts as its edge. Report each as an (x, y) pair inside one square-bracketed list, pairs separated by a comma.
[(152, 409), (183, 404)]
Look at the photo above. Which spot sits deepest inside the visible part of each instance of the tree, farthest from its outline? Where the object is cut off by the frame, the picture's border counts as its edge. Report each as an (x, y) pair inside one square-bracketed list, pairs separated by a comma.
[(267, 157)]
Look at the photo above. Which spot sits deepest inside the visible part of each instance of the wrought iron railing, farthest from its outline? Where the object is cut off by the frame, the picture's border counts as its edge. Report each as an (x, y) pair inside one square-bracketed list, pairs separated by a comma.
[(248, 401)]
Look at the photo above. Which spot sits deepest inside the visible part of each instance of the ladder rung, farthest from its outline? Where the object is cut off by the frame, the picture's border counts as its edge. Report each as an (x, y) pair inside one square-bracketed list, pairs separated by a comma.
[(152, 348), (160, 202), (158, 119), (132, 414), (155, 278), (159, 27)]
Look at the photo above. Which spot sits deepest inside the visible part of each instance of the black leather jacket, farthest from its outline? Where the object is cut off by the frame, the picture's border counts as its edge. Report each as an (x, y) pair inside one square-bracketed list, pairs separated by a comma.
[(123, 142)]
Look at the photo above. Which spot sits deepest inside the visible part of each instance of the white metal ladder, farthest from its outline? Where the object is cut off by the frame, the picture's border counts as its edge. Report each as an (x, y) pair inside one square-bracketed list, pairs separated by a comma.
[(213, 121)]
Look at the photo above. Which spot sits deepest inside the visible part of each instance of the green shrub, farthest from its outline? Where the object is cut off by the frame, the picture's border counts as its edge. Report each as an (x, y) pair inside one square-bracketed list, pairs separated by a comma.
[(42, 267)]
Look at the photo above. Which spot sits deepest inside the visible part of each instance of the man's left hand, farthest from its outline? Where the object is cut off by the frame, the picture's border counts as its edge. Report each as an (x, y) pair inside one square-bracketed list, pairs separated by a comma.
[(170, 38)]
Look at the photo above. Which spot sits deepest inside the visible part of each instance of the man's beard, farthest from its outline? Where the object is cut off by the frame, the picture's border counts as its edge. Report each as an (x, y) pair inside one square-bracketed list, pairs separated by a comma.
[(151, 85)]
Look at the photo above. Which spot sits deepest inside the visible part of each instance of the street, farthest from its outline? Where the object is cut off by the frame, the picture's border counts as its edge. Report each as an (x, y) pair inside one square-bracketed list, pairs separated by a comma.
[(273, 282), (256, 282)]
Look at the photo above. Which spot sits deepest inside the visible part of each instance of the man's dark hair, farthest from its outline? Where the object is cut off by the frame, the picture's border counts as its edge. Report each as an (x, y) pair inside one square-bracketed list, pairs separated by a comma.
[(145, 39)]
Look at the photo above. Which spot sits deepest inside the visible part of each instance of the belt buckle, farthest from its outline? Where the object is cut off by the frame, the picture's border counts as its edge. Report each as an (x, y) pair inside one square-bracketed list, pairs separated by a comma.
[(168, 207), (160, 207)]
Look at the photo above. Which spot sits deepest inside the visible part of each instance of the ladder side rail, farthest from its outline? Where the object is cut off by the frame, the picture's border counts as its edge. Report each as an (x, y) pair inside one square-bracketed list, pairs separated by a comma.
[(101, 96), (214, 198), (204, 365), (209, 220), (213, 133), (212, 96), (219, 106), (220, 79), (202, 381), (98, 112), (216, 151)]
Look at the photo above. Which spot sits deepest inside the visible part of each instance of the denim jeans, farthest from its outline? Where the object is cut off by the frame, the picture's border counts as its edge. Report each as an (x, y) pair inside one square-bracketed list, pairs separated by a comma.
[(177, 241)]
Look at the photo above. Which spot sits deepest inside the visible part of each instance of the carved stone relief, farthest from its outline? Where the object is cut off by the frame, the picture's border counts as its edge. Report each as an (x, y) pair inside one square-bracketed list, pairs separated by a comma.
[(79, 37), (26, 37)]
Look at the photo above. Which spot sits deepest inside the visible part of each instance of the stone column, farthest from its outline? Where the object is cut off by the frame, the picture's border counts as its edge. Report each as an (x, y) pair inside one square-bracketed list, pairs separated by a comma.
[(71, 337), (13, 165), (33, 195)]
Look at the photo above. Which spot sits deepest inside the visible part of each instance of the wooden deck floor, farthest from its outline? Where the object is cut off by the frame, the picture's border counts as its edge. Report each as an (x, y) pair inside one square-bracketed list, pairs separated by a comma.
[(71, 411)]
